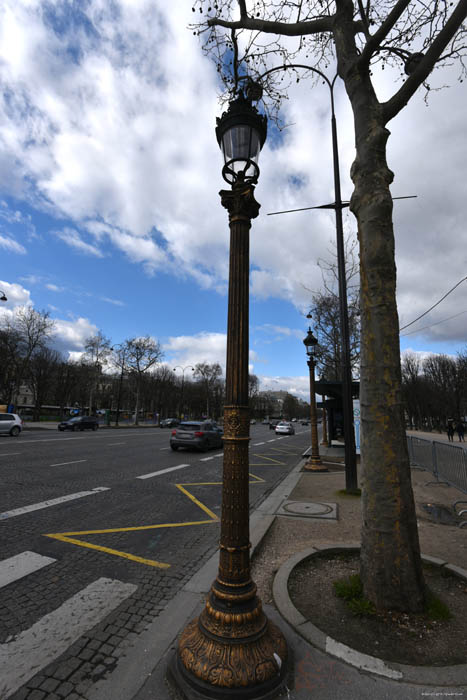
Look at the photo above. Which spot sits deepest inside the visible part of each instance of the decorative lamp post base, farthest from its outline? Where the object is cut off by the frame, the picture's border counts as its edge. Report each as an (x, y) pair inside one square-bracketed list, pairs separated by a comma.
[(246, 658)]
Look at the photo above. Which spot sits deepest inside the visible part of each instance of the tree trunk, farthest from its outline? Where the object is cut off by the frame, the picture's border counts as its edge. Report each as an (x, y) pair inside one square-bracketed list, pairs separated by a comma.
[(390, 563), (137, 405)]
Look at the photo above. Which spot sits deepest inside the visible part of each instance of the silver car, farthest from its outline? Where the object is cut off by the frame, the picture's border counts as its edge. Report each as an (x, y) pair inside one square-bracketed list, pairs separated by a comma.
[(200, 435), (11, 424), (285, 428)]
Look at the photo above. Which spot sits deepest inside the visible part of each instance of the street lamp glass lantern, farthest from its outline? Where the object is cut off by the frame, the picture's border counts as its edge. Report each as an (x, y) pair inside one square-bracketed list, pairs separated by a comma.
[(310, 343), (241, 133)]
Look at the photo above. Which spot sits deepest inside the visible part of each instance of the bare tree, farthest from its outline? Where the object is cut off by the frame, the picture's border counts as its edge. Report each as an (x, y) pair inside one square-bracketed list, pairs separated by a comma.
[(254, 41), (23, 334), (97, 354), (209, 375), (140, 355), (325, 312), (40, 377)]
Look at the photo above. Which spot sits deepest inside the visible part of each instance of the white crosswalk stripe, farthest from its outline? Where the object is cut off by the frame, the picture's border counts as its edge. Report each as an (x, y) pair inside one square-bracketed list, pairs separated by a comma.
[(21, 565), (35, 648)]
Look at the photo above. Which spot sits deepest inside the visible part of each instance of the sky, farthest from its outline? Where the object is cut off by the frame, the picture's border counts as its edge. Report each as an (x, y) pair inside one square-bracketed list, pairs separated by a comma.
[(110, 217)]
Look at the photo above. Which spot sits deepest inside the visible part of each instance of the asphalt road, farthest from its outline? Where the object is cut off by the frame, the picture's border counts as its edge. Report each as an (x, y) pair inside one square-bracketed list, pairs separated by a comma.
[(114, 508)]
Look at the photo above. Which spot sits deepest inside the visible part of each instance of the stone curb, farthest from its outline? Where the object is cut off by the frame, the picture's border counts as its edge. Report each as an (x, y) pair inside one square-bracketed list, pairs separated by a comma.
[(423, 675)]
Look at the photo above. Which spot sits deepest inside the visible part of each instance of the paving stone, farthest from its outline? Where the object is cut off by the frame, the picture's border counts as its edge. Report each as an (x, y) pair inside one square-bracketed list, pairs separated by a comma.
[(37, 695), (49, 685), (64, 671), (86, 654), (64, 689), (94, 644)]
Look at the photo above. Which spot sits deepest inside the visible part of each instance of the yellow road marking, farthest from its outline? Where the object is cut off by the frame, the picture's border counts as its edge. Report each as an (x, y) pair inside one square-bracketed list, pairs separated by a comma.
[(195, 500), (67, 536), (129, 529), (270, 459), (107, 550)]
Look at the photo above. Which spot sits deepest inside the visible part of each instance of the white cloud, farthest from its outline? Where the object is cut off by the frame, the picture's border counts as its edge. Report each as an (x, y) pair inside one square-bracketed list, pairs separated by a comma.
[(297, 386), (73, 239), (16, 296), (54, 288), (115, 302), (11, 245), (189, 350), (280, 332), (70, 336)]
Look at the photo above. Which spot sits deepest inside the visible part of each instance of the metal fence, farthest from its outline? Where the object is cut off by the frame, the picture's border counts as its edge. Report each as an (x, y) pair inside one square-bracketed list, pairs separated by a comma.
[(447, 463)]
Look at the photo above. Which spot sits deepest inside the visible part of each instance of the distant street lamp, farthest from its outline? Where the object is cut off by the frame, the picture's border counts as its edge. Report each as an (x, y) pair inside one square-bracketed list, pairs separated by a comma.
[(180, 408), (232, 650), (121, 350), (3, 297), (314, 463)]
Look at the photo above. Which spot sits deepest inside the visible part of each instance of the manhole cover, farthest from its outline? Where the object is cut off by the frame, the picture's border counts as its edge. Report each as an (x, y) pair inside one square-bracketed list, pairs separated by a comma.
[(307, 509), (440, 514)]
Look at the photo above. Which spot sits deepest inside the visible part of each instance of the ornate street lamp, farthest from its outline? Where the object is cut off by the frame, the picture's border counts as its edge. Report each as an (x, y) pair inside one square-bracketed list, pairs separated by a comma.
[(314, 463), (232, 650), (3, 297)]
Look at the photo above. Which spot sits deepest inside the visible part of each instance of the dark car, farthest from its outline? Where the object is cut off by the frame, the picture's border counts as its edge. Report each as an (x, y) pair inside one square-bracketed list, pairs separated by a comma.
[(169, 423), (200, 435), (272, 424), (80, 423)]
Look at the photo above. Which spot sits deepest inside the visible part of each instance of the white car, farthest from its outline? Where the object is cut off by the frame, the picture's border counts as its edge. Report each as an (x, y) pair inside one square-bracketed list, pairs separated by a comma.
[(285, 428), (10, 423)]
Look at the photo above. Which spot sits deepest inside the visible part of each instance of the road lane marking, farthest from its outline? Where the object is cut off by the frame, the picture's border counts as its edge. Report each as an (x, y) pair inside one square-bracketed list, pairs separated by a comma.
[(273, 440), (207, 459), (80, 437), (21, 565), (164, 448), (162, 471), (62, 464), (9, 454), (35, 648), (258, 443), (54, 502), (110, 444)]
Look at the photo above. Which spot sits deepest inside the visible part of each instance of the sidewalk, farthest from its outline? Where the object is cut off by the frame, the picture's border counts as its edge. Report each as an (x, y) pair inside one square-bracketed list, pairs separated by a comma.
[(279, 533)]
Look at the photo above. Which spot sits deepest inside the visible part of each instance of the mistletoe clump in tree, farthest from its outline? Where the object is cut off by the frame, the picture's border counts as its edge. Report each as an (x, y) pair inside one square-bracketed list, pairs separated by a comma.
[(253, 41)]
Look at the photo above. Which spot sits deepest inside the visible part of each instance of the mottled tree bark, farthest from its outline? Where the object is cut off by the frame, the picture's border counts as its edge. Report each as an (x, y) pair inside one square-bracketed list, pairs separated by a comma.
[(390, 561)]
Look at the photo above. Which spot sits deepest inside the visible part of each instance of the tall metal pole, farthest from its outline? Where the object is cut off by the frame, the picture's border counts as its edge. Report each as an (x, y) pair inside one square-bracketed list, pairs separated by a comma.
[(351, 483), (232, 650)]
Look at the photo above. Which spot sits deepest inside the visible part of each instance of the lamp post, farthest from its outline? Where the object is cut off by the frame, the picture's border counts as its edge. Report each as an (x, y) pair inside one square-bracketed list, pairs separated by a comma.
[(121, 350), (3, 297), (314, 463), (232, 650), (180, 409)]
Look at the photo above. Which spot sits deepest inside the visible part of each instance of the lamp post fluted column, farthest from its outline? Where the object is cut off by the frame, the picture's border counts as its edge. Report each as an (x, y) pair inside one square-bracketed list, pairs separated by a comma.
[(314, 462), (232, 649)]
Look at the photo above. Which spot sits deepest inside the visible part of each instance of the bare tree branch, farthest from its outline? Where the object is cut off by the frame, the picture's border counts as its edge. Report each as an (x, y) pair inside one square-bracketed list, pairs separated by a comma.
[(393, 106)]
